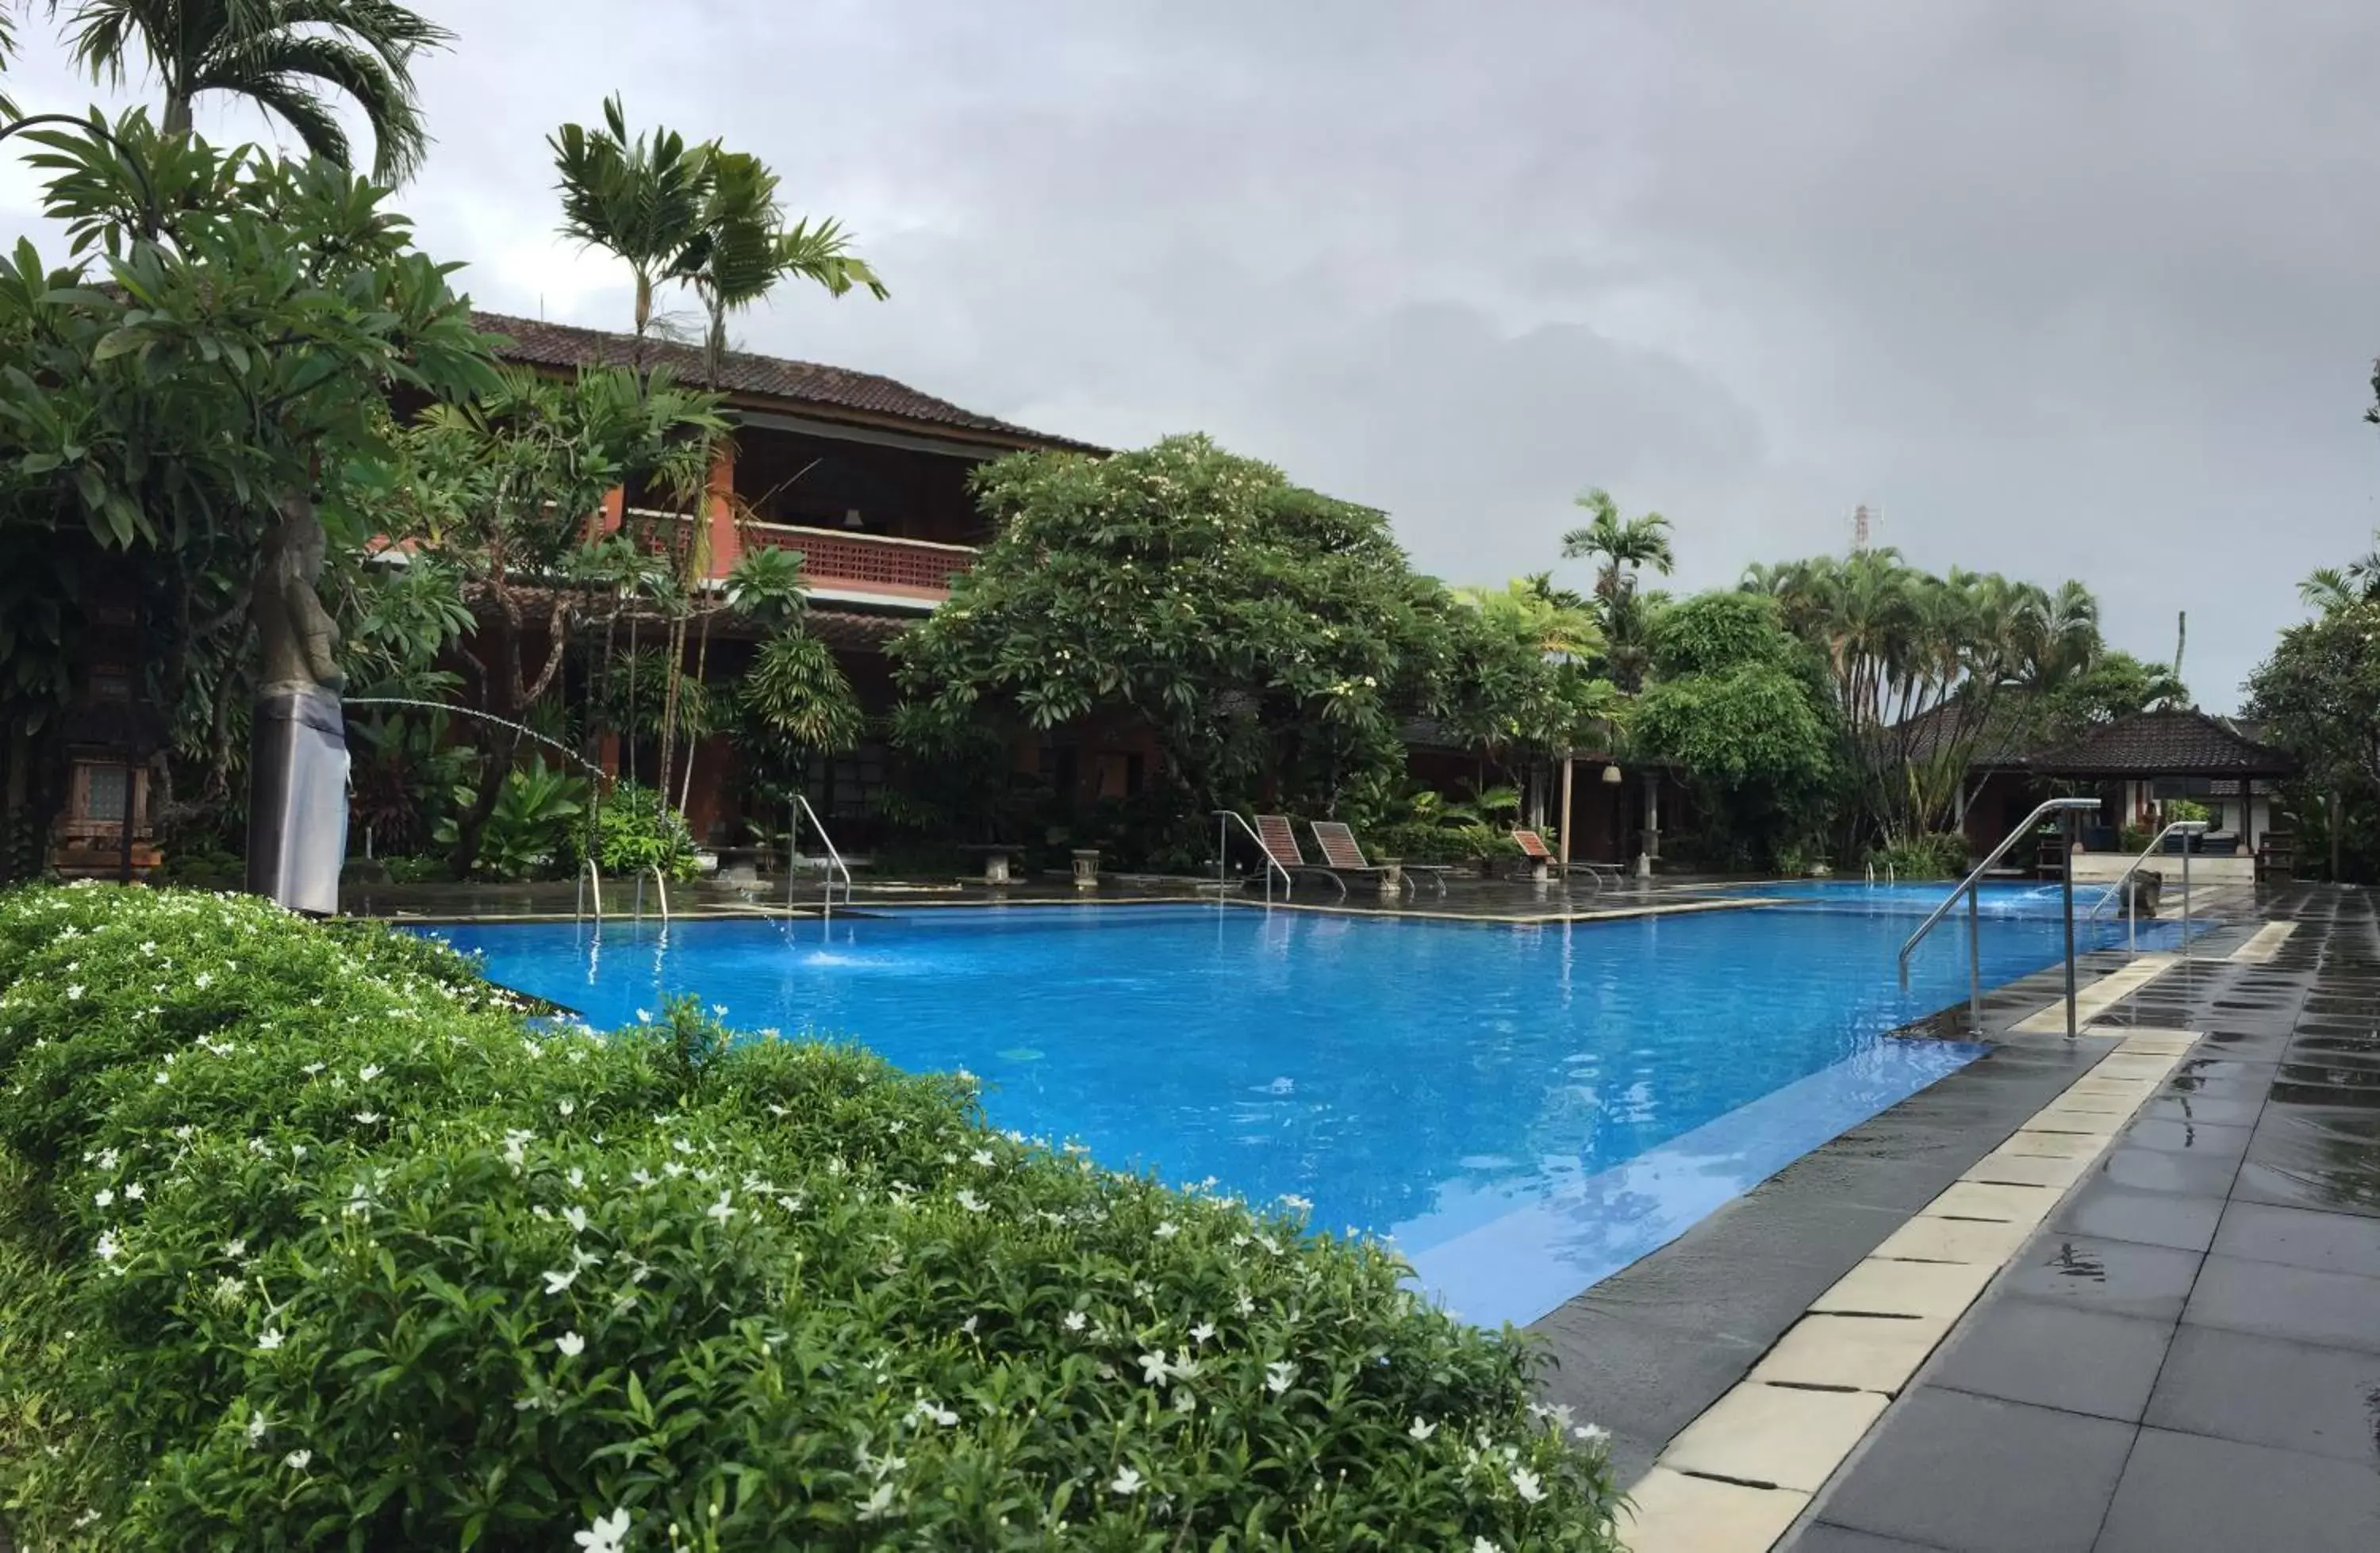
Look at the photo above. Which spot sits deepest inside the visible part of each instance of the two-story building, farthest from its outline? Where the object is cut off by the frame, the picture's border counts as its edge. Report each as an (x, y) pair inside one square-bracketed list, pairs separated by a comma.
[(865, 477)]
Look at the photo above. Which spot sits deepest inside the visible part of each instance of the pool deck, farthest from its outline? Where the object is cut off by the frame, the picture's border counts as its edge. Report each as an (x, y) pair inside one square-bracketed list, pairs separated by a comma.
[(1877, 1350)]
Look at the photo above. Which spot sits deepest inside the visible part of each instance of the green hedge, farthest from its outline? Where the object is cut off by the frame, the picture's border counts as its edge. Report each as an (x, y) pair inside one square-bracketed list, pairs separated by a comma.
[(307, 1238)]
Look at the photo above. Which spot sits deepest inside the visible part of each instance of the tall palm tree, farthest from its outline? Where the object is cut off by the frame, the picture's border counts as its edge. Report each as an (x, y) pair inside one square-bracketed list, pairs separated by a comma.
[(641, 198), (289, 57), (1622, 544)]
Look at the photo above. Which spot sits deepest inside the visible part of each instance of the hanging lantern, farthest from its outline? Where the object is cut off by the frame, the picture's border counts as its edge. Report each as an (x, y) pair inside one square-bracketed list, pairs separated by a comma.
[(1611, 776)]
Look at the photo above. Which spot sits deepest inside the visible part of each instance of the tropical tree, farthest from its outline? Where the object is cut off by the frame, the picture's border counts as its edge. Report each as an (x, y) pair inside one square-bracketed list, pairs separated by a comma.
[(502, 488), (1515, 679), (709, 219), (1927, 669), (1271, 638), (292, 59), (2335, 587), (2318, 696), (1621, 549), (207, 388), (1740, 707)]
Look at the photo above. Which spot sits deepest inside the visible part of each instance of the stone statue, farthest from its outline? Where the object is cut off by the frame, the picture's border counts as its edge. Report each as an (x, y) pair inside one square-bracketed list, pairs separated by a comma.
[(300, 640), (298, 764)]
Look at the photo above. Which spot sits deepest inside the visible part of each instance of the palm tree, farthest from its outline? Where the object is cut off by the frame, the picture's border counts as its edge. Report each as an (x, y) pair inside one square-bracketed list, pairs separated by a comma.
[(1621, 542), (289, 57), (641, 198), (2337, 588)]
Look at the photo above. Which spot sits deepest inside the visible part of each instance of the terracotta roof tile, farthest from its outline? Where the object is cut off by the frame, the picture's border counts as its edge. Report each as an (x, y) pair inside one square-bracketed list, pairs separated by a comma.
[(807, 383)]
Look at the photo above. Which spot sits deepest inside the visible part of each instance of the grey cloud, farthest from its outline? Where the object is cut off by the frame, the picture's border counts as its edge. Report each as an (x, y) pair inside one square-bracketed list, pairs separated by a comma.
[(2065, 289)]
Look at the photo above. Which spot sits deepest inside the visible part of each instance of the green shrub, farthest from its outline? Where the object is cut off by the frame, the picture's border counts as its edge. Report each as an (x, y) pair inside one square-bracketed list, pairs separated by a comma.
[(307, 1237), (529, 831), (633, 834), (1942, 854)]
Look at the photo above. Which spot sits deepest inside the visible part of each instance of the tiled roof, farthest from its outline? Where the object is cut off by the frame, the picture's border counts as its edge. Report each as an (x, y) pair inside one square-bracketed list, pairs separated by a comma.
[(853, 632), (804, 384), (2164, 744), (1998, 741)]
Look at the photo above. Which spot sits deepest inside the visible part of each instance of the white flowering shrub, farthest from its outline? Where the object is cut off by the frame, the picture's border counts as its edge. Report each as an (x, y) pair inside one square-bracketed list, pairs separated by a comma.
[(307, 1238)]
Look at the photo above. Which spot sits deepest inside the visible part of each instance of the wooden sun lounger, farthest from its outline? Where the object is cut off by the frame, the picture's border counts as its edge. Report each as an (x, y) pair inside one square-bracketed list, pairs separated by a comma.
[(1342, 854), (1541, 857), (1280, 841)]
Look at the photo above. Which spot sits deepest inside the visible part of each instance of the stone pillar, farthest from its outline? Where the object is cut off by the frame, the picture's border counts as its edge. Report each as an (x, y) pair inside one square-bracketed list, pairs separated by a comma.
[(1393, 879)]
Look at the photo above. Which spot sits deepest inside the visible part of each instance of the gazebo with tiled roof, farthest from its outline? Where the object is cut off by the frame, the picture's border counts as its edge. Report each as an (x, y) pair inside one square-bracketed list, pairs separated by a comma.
[(2148, 746)]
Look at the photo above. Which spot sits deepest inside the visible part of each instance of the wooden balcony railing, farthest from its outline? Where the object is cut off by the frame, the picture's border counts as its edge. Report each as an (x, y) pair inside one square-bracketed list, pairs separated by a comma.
[(869, 563)]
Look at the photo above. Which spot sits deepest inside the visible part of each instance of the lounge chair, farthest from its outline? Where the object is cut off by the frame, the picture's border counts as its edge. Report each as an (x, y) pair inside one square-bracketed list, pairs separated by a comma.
[(1279, 839), (1541, 858), (1343, 856)]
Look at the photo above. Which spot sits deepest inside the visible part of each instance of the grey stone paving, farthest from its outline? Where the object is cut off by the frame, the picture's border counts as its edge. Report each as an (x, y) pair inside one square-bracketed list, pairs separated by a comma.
[(2188, 1356)]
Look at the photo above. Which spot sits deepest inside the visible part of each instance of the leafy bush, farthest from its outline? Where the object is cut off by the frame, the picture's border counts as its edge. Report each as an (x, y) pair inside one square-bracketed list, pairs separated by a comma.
[(2185, 808), (530, 831), (633, 834), (1942, 854), (307, 1237)]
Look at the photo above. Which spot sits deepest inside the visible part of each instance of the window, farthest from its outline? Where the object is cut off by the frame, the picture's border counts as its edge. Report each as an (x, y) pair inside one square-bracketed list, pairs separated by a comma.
[(106, 792)]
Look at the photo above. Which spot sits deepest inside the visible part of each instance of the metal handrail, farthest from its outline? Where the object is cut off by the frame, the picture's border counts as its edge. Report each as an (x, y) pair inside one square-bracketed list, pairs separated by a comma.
[(660, 887), (1970, 887), (2131, 917), (1272, 863), (590, 877), (835, 865)]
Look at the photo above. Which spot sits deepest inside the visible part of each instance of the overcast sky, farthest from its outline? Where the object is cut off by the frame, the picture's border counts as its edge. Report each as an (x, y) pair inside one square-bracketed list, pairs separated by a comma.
[(2058, 289)]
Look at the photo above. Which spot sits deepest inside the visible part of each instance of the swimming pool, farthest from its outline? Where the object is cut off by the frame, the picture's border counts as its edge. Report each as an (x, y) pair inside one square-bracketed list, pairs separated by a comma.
[(1524, 1110)]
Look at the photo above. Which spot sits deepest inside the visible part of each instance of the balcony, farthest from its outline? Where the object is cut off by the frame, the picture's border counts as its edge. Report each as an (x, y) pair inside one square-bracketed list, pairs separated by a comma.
[(844, 564)]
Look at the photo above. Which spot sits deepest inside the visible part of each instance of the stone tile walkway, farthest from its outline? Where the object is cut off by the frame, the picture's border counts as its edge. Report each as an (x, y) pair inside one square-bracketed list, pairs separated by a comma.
[(2189, 1355)]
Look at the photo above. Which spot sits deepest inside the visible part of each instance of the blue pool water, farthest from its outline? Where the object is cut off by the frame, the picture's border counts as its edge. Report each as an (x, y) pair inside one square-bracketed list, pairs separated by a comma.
[(1523, 1110)]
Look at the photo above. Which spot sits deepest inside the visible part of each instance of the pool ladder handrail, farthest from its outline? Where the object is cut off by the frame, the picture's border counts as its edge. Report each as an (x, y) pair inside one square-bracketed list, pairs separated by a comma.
[(834, 863), (591, 880), (1971, 888), (660, 887), (1225, 820), (2186, 828)]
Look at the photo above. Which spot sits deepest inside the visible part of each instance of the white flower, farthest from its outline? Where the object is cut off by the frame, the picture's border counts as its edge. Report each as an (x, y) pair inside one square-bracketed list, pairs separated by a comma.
[(1422, 1429), (1202, 1331), (1292, 1200), (1278, 1377), (1481, 1545), (107, 1248), (1153, 1368), (229, 1291), (571, 1345), (1076, 1321), (203, 980), (641, 1176), (1591, 1434), (161, 1076), (981, 1155), (877, 1506), (104, 1196), (555, 1282), (575, 1218), (107, 1158), (368, 1117), (297, 1458), (578, 1177), (721, 1210), (606, 1534), (234, 1249), (566, 1106), (928, 1408), (1166, 1230), (720, 1010), (1126, 1481), (135, 1191), (1183, 1401), (969, 1201), (268, 1340), (968, 1325), (74, 993), (644, 1016), (312, 1068), (1525, 1484), (257, 1424)]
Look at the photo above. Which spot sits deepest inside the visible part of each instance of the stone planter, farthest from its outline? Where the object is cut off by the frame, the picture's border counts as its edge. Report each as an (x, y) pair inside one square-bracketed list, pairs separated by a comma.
[(1086, 867)]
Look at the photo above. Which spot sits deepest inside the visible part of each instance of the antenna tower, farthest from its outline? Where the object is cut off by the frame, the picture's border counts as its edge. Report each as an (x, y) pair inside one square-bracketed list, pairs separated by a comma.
[(1862, 523)]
